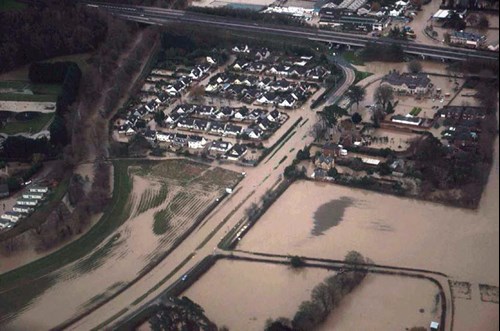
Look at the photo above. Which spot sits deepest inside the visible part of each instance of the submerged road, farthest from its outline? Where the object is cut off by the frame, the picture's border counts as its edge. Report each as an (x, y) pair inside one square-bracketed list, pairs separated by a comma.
[(161, 16)]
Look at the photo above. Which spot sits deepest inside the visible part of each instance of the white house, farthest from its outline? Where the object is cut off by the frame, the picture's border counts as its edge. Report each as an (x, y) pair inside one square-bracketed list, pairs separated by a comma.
[(217, 127), (196, 142), (254, 133), (186, 123), (220, 146), (287, 102), (274, 116), (237, 152), (232, 130), (164, 137)]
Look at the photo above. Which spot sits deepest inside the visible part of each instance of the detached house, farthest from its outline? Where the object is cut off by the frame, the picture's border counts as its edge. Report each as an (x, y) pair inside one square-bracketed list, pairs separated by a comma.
[(220, 146), (201, 125), (217, 128), (173, 118), (164, 137), (225, 113), (241, 114), (150, 135), (241, 49), (232, 130), (287, 102), (324, 162), (267, 98), (186, 123), (408, 83), (196, 142), (237, 152), (255, 133), (274, 116)]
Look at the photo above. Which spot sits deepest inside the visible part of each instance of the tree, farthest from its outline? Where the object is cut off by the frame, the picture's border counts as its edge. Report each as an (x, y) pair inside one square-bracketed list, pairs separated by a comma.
[(159, 118), (375, 7), (197, 92), (331, 114), (414, 66), (58, 132), (333, 172), (318, 131), (483, 23), (304, 154), (356, 118), (322, 296), (296, 262), (455, 22), (356, 94), (307, 317), (383, 95), (390, 108), (447, 37)]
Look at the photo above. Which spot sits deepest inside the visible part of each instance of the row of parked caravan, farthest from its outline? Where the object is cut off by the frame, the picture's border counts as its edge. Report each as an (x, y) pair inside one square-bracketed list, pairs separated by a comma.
[(30, 200)]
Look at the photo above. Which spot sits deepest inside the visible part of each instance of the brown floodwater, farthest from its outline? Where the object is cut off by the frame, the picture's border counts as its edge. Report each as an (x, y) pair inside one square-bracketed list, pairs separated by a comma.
[(243, 295), (388, 229), (383, 303)]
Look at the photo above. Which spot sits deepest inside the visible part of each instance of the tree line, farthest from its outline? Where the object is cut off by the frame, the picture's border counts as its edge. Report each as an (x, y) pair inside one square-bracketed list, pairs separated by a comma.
[(325, 297)]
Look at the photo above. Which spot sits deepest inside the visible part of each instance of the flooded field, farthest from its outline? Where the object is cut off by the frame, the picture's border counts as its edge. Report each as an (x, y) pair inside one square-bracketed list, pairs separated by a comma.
[(243, 295), (164, 200), (387, 229), (383, 303)]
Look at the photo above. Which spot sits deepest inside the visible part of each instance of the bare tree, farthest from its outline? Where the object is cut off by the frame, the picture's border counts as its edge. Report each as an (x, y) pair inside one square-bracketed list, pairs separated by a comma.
[(414, 66), (318, 130), (383, 95)]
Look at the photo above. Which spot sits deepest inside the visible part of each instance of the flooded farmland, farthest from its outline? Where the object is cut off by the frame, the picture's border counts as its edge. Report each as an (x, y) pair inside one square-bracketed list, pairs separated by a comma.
[(243, 295), (389, 230), (386, 303)]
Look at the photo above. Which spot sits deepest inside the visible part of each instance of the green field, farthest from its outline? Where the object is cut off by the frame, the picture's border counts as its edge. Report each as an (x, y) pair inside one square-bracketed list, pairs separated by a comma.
[(31, 126), (360, 75), (7, 5)]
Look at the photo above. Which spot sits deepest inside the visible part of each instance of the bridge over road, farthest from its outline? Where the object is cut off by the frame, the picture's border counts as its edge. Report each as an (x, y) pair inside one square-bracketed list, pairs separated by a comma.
[(162, 16)]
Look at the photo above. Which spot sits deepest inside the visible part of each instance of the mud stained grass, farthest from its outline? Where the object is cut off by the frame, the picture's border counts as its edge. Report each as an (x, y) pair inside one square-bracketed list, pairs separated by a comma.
[(489, 293), (16, 300), (97, 258), (152, 198), (162, 221), (330, 214), (182, 171), (216, 178)]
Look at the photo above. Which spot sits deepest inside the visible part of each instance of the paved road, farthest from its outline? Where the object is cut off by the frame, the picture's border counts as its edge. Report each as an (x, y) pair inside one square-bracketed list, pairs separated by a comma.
[(161, 16), (250, 190)]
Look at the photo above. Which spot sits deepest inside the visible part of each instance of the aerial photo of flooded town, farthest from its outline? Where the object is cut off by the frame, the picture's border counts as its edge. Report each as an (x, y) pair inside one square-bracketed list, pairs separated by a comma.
[(249, 165)]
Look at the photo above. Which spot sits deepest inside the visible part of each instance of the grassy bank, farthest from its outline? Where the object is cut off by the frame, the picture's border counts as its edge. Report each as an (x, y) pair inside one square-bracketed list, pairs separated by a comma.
[(113, 217)]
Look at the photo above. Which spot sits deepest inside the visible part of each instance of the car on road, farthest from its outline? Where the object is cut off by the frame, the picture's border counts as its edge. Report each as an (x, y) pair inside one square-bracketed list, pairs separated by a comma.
[(184, 277)]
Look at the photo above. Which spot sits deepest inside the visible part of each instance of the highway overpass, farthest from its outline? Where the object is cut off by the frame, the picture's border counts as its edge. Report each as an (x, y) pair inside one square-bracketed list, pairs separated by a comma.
[(161, 16)]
